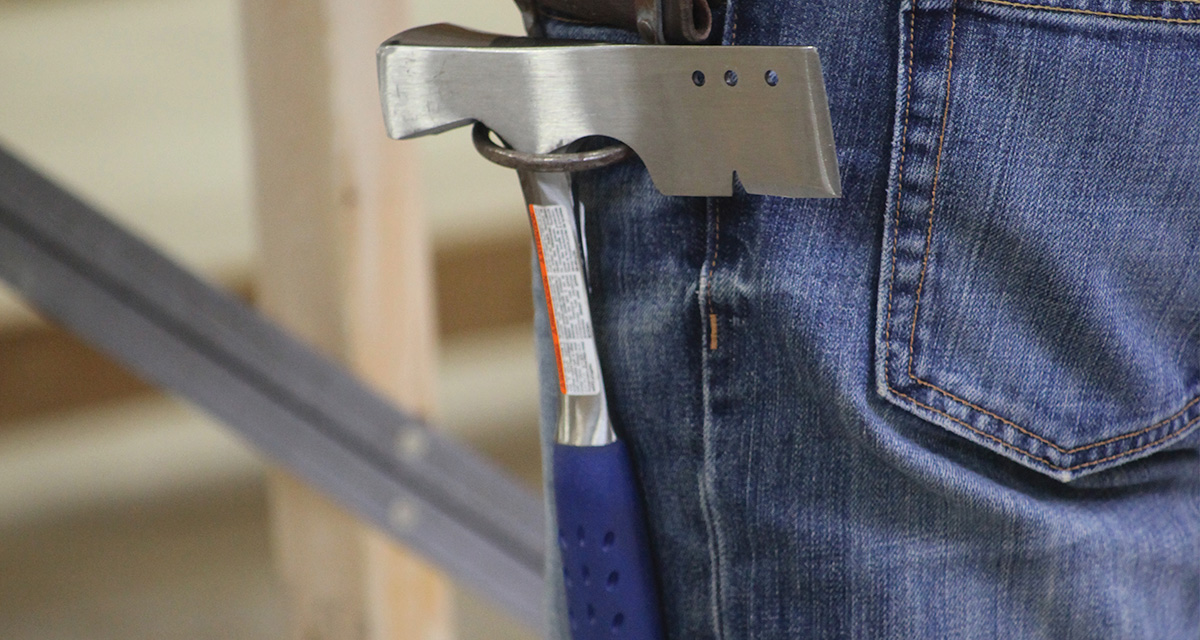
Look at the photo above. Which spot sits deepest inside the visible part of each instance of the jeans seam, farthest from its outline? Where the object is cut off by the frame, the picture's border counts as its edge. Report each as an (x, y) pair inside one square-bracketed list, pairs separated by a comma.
[(707, 489), (1053, 445), (1091, 463), (924, 265), (1103, 14), (712, 314), (714, 552), (937, 171), (887, 323), (711, 518)]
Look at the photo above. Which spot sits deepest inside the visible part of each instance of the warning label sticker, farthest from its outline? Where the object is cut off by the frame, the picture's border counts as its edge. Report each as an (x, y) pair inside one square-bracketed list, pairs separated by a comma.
[(566, 297)]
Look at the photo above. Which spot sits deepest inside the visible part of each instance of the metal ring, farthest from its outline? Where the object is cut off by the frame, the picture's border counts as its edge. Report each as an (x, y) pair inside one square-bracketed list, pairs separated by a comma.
[(545, 162)]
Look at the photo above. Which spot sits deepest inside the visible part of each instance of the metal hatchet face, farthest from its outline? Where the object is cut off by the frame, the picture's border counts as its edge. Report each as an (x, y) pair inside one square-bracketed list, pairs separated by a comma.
[(694, 114)]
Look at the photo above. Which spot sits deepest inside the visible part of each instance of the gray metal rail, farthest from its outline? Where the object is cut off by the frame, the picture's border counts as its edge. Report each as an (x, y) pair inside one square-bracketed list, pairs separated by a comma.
[(296, 407)]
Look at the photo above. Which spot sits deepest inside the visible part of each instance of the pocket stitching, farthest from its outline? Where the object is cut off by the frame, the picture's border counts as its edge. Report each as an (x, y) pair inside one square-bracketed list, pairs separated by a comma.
[(1169, 436), (887, 324), (1104, 14), (924, 264)]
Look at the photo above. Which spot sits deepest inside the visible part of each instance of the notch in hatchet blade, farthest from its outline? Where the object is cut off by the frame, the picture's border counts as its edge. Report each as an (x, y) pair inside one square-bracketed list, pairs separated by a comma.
[(695, 115)]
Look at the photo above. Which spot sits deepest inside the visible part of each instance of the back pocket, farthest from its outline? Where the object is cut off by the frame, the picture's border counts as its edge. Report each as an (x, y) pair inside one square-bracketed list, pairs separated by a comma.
[(1040, 277)]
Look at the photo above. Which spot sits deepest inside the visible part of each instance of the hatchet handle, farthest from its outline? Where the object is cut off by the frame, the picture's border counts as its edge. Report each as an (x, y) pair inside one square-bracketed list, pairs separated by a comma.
[(607, 565)]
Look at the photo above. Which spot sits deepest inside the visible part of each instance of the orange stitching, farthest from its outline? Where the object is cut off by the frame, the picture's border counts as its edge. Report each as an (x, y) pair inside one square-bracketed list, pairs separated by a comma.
[(887, 325), (1174, 434), (1126, 16), (712, 273), (929, 245), (937, 172), (982, 433), (924, 265), (1045, 441)]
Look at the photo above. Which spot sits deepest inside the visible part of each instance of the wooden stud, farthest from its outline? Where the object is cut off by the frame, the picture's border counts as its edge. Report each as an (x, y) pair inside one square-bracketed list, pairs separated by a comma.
[(345, 265)]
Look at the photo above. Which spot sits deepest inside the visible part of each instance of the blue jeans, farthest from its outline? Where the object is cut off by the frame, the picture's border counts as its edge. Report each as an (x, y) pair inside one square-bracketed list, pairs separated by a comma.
[(959, 402)]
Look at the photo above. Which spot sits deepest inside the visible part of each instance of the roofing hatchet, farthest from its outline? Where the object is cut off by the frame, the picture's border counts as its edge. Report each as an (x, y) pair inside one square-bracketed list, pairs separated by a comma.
[(696, 116)]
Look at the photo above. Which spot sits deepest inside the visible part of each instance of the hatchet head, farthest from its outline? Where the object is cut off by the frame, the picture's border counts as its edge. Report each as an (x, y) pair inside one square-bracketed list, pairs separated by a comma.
[(695, 115)]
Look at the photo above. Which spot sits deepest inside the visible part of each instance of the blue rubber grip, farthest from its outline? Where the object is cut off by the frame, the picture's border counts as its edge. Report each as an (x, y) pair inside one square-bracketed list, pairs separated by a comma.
[(607, 567)]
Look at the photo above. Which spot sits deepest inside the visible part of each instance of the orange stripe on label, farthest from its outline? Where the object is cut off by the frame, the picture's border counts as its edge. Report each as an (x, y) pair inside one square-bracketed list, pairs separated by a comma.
[(537, 241)]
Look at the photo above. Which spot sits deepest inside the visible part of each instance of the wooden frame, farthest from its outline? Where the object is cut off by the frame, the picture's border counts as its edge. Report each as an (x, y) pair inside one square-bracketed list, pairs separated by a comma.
[(345, 264)]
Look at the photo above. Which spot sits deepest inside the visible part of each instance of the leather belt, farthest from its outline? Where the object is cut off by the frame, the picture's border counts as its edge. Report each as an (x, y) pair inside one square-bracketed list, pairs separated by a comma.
[(657, 21)]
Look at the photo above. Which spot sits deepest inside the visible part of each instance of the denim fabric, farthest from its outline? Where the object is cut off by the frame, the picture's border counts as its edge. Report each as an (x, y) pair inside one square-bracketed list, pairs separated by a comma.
[(959, 402)]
